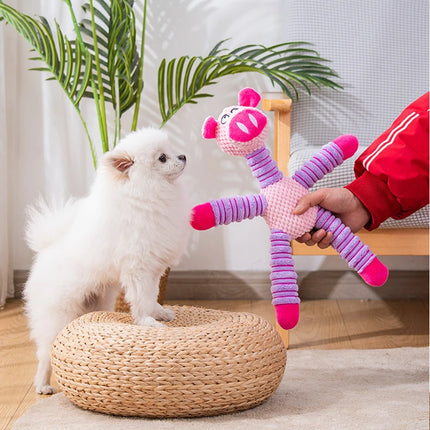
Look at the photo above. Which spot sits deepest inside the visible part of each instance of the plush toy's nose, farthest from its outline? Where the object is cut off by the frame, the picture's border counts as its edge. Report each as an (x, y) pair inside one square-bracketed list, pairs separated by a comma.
[(246, 125)]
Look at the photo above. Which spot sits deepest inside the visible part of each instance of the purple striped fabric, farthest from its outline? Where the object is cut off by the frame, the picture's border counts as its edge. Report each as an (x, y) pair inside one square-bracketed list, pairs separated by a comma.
[(323, 162), (284, 278), (349, 246), (263, 167), (232, 209)]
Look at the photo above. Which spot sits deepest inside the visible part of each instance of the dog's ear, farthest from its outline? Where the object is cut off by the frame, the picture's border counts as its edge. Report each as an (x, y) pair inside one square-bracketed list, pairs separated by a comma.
[(120, 161)]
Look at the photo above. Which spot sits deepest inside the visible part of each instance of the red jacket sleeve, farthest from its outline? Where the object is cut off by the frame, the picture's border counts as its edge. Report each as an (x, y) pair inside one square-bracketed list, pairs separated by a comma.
[(392, 174)]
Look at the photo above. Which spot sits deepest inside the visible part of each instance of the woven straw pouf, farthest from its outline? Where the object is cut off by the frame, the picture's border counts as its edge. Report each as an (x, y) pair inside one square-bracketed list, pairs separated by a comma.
[(206, 362)]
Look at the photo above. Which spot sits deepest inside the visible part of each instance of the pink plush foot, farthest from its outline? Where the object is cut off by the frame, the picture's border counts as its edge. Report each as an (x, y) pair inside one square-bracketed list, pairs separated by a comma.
[(287, 315), (375, 274), (348, 145), (202, 217)]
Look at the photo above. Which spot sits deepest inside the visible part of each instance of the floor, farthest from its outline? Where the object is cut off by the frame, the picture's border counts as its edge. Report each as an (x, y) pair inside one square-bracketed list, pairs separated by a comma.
[(324, 324)]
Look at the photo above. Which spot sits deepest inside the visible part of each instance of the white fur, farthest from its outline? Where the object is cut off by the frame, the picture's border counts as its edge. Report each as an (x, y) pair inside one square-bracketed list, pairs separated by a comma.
[(124, 234)]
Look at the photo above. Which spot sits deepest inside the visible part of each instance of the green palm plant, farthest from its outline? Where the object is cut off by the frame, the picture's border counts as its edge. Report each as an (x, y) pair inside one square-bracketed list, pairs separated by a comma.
[(105, 63)]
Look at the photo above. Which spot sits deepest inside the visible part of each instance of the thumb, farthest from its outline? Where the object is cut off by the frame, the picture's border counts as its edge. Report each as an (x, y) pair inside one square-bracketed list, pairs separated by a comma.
[(309, 200)]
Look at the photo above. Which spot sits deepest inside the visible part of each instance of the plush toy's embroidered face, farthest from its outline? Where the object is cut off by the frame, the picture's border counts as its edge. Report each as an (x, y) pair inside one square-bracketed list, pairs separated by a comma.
[(241, 129)]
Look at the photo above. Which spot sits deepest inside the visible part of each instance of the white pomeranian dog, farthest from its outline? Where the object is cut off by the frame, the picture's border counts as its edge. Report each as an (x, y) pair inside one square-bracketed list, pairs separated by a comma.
[(124, 234)]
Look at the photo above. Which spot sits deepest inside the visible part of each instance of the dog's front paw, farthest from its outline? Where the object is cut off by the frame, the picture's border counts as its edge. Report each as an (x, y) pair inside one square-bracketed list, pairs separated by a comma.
[(163, 314), (149, 322), (44, 389)]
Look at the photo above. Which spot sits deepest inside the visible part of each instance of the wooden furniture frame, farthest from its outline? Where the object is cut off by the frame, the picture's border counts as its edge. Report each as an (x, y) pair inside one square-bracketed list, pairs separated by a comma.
[(398, 241)]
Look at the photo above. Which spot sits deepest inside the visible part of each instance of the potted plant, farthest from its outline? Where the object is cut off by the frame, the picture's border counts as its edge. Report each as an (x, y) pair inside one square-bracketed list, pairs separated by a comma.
[(105, 62)]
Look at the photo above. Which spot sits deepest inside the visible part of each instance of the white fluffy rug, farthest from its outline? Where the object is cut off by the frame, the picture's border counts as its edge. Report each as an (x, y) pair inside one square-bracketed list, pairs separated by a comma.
[(338, 389)]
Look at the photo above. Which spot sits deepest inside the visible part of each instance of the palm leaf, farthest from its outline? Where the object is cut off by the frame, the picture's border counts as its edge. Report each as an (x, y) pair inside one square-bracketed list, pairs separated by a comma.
[(118, 56), (294, 66), (64, 59)]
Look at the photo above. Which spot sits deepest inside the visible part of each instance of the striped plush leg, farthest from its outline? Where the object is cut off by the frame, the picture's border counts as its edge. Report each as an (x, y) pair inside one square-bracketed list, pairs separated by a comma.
[(283, 277), (227, 210), (236, 209), (324, 161), (352, 249)]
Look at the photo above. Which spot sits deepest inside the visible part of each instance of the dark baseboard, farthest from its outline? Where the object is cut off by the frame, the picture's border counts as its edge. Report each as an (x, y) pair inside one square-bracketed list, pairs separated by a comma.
[(333, 284), (250, 285)]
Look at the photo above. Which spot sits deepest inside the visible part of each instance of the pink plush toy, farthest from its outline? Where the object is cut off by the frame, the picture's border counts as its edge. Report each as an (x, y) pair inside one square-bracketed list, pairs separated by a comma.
[(241, 130)]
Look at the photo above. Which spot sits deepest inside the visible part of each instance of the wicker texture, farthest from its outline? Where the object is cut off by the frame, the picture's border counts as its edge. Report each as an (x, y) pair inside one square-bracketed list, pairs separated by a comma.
[(207, 362)]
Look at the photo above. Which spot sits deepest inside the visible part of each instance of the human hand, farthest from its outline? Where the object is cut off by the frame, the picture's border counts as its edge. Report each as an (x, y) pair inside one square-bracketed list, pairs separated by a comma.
[(342, 203)]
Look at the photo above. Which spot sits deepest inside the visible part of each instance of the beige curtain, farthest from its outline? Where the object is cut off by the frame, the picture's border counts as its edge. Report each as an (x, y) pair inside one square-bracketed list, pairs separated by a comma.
[(6, 267), (43, 149)]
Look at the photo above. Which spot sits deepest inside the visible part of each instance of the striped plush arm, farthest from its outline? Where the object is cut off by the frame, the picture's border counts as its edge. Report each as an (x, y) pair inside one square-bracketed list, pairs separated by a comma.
[(324, 161), (227, 210), (236, 209)]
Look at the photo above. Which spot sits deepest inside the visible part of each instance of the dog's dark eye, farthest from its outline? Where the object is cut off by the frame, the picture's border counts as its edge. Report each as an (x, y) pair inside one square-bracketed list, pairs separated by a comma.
[(162, 158)]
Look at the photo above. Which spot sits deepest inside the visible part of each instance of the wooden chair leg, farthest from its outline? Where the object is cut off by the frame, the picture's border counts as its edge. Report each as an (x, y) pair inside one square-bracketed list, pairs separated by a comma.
[(284, 335), (282, 109)]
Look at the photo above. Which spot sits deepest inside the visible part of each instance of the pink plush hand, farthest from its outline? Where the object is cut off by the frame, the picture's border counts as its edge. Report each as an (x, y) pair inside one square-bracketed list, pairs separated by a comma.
[(202, 217)]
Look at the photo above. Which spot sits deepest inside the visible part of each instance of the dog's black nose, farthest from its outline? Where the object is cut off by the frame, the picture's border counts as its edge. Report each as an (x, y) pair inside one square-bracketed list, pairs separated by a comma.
[(182, 157)]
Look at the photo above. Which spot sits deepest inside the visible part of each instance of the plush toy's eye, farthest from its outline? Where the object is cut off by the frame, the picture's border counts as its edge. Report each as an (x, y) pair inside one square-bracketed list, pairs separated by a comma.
[(234, 109), (224, 118), (162, 158)]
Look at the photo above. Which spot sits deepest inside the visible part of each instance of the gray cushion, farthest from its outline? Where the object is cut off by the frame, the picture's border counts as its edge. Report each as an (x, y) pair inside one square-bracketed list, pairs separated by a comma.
[(380, 50)]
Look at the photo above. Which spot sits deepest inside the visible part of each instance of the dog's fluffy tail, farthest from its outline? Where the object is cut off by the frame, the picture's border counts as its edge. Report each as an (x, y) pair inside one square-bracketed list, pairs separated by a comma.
[(46, 223)]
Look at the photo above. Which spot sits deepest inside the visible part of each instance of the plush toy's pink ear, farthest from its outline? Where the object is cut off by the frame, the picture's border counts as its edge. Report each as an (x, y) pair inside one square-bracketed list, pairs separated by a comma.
[(209, 128), (249, 97)]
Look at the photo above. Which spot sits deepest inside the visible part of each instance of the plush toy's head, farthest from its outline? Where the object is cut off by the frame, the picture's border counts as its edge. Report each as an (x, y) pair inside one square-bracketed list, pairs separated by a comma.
[(241, 129)]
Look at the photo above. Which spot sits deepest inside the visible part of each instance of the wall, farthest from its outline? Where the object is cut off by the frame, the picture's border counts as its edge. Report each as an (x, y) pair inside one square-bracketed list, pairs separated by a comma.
[(50, 155)]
